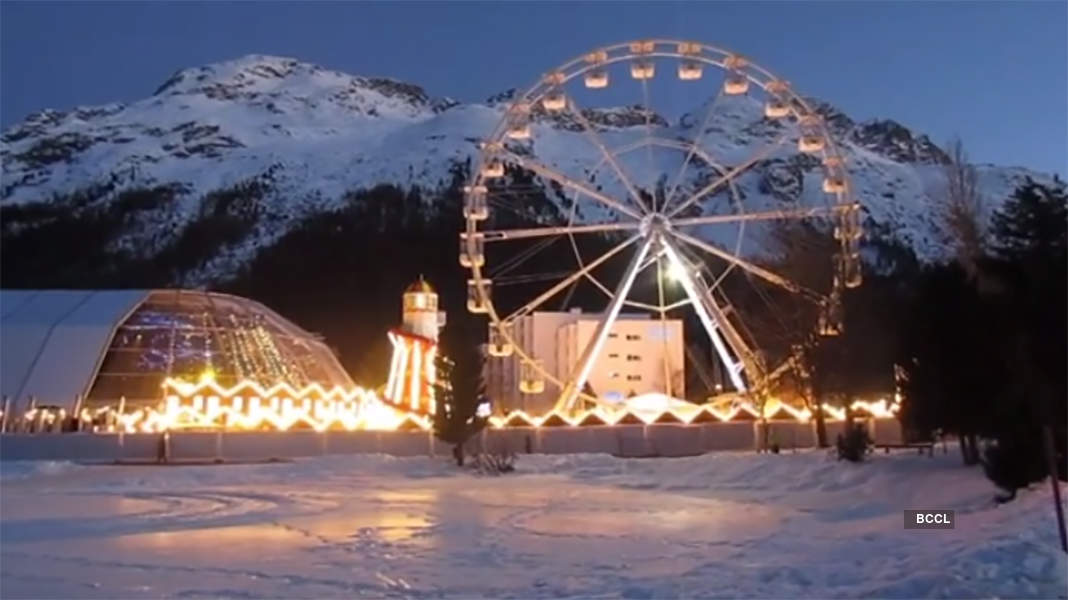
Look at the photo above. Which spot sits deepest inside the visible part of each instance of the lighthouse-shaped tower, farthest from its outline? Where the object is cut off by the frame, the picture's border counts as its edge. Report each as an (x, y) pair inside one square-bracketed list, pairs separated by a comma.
[(415, 346)]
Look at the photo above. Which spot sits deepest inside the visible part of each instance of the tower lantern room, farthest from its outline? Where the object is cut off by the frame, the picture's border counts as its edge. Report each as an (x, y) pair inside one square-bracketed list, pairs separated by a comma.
[(420, 313)]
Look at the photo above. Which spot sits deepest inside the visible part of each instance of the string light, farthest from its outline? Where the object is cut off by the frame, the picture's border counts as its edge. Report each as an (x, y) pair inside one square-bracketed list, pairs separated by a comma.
[(250, 406)]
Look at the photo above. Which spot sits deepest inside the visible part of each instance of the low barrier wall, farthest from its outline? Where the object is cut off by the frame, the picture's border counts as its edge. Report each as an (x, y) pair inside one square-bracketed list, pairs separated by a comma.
[(621, 440)]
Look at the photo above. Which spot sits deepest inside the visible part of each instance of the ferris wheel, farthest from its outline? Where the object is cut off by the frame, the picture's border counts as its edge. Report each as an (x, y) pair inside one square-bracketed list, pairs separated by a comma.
[(661, 197)]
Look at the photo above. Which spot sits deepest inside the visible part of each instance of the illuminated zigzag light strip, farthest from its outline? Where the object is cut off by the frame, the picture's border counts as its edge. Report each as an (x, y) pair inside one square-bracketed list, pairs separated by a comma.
[(687, 415), (249, 406)]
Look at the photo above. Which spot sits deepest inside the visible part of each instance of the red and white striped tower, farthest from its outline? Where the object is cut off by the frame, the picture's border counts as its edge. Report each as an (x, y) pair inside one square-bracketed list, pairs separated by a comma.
[(415, 346)]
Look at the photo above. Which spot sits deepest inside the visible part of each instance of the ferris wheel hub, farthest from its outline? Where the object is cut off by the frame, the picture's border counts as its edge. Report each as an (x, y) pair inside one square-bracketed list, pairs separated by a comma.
[(655, 223)]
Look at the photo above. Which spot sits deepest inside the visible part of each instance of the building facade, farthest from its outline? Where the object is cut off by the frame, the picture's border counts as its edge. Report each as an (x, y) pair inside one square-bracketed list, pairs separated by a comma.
[(640, 355)]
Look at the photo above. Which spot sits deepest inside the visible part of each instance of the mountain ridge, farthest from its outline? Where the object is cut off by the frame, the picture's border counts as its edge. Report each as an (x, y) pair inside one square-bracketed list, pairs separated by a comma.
[(309, 135)]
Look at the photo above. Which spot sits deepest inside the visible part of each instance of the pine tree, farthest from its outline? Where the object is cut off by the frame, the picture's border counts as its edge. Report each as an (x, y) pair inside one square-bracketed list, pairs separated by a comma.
[(1032, 226), (459, 391), (955, 377), (1031, 244)]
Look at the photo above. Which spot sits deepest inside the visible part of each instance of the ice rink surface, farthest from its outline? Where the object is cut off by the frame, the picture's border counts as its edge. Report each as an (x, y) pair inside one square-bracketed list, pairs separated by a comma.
[(719, 525)]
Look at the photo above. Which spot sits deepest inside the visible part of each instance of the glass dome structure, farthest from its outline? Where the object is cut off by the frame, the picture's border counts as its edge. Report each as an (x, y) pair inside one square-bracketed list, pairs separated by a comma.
[(105, 345)]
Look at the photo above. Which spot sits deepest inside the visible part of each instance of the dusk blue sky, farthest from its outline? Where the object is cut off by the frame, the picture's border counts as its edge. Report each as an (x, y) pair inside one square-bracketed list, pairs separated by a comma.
[(995, 73)]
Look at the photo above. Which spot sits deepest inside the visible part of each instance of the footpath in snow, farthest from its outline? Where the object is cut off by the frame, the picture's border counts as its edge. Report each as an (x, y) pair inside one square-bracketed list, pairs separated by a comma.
[(719, 525)]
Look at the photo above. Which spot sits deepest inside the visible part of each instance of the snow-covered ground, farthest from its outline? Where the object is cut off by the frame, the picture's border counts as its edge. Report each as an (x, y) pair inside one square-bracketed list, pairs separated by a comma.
[(720, 525)]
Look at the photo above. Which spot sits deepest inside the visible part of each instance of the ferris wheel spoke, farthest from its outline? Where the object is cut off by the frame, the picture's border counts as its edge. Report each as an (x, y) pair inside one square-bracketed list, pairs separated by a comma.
[(563, 284), (651, 259), (771, 215), (741, 263), (677, 304), (595, 139), (593, 348), (549, 173), (497, 235), (728, 176), (713, 320), (663, 320), (677, 180), (649, 137)]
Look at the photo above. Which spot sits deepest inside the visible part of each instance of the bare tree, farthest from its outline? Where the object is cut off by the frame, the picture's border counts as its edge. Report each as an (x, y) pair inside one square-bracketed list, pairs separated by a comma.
[(959, 205), (786, 321)]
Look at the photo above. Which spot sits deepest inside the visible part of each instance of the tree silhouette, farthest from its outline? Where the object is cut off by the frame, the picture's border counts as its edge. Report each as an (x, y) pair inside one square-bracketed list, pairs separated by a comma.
[(459, 390)]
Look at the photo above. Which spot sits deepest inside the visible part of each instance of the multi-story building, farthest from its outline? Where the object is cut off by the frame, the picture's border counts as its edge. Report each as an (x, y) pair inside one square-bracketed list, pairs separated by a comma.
[(641, 354)]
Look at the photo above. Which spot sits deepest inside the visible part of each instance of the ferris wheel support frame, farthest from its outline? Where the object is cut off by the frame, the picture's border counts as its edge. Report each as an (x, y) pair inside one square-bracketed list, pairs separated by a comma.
[(713, 323), (593, 348)]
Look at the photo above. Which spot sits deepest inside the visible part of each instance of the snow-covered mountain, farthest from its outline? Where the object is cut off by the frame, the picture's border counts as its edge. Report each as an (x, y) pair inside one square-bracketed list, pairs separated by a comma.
[(307, 135)]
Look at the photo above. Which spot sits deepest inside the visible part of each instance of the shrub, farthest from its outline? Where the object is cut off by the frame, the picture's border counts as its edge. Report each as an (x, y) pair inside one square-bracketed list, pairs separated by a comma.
[(854, 444), (494, 463), (1014, 460)]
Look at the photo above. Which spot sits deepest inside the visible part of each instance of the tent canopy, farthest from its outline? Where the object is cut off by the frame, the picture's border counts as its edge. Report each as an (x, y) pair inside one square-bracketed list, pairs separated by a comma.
[(52, 341)]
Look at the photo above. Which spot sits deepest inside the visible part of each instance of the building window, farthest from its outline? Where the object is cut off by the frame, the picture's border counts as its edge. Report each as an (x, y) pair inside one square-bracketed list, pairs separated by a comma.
[(633, 357), (614, 335), (614, 375), (613, 355), (633, 337), (634, 377)]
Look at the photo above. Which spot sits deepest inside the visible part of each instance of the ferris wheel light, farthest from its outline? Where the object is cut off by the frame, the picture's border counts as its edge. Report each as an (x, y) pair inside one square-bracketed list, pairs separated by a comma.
[(689, 48), (597, 56), (492, 169), (735, 85), (519, 132), (776, 109), (689, 71), (498, 345), (643, 69), (596, 80), (642, 47), (676, 272), (810, 144), (834, 185), (554, 101)]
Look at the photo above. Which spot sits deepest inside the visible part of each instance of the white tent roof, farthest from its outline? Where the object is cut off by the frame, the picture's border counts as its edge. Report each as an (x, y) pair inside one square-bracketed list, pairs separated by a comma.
[(52, 341)]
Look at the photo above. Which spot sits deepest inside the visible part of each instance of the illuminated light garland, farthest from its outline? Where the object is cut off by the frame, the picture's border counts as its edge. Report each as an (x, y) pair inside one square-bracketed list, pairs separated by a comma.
[(251, 406), (689, 414), (208, 405)]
